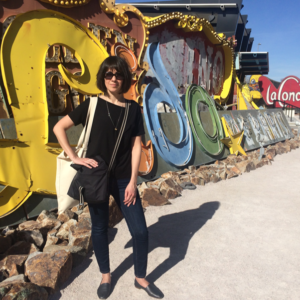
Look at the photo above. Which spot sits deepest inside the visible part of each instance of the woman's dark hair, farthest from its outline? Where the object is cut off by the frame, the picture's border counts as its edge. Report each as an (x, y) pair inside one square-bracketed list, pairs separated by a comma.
[(118, 63)]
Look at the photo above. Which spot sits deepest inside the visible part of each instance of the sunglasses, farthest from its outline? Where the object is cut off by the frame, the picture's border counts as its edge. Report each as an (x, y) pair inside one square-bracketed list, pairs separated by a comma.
[(110, 75)]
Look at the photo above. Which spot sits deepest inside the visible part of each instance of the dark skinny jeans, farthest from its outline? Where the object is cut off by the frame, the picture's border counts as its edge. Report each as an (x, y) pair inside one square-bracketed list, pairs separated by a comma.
[(136, 223)]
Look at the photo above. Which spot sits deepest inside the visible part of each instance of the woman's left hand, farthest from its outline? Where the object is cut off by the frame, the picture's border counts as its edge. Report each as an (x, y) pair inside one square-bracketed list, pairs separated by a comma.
[(130, 194)]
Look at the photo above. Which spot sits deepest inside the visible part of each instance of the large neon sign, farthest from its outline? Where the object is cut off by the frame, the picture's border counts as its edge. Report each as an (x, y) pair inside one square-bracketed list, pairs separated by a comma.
[(37, 69), (287, 92)]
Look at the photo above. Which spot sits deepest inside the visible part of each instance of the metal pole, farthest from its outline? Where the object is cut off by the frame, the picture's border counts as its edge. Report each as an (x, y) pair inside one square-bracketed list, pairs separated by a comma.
[(258, 46), (165, 108)]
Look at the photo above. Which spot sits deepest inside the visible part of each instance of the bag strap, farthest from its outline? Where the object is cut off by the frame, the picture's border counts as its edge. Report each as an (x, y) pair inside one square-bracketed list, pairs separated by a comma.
[(86, 132), (119, 136)]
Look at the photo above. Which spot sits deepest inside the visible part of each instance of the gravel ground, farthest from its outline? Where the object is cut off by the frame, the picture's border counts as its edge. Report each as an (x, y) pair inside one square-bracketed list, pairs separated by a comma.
[(237, 239)]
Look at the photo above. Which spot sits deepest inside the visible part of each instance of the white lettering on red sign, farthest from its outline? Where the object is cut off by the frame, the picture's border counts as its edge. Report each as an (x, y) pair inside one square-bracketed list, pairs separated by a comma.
[(289, 90)]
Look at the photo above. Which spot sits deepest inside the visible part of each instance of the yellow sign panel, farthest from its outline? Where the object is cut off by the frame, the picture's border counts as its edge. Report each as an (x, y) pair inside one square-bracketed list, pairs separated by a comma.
[(23, 53)]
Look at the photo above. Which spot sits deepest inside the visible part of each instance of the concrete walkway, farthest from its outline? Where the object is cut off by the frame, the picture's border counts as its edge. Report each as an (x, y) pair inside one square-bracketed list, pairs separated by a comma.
[(236, 239)]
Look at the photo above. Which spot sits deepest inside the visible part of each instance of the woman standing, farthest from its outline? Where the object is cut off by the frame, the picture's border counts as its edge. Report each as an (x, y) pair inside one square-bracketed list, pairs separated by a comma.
[(114, 79)]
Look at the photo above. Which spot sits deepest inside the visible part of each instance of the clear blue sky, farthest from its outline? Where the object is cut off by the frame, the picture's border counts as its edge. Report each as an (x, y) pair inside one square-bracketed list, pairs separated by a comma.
[(276, 26)]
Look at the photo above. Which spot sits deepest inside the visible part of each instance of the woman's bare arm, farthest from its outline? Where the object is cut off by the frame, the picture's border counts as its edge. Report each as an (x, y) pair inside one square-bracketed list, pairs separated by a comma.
[(136, 150), (60, 131)]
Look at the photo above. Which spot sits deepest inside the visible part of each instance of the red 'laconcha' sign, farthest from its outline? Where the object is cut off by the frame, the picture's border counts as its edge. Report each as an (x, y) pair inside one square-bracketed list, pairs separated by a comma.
[(288, 91)]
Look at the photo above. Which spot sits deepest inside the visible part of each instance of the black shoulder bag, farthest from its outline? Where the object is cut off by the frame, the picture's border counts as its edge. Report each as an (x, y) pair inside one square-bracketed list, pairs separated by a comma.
[(92, 185)]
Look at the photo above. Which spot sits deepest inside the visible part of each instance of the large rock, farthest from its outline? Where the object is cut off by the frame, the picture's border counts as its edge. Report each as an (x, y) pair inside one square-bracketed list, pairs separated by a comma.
[(196, 180), (267, 161), (168, 174), (185, 178), (65, 216), (63, 243), (204, 175), (287, 147), (49, 223), (86, 209), (155, 184), (26, 291), (31, 236), (245, 166), (78, 253), (231, 174), (294, 144), (220, 163), (141, 188), (49, 270), (259, 163), (269, 157), (30, 225), (215, 169), (154, 198), (80, 235), (169, 193), (115, 214), (5, 243), (173, 175), (12, 261), (43, 215), (144, 204), (13, 280), (215, 178), (176, 178), (183, 172), (234, 169), (188, 171), (21, 247), (170, 189), (280, 148), (203, 168), (85, 216), (222, 174), (46, 214), (192, 169), (14, 271), (54, 248), (231, 159), (52, 239), (63, 232)]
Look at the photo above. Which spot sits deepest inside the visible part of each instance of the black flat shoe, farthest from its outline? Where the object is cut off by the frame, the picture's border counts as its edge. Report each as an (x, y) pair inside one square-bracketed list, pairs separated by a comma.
[(151, 289), (104, 290)]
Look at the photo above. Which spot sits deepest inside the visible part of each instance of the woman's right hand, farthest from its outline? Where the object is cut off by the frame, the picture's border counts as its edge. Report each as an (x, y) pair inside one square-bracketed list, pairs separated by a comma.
[(88, 162)]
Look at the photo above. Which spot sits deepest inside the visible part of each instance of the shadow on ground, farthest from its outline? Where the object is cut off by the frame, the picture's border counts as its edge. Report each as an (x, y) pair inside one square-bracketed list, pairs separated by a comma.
[(172, 231)]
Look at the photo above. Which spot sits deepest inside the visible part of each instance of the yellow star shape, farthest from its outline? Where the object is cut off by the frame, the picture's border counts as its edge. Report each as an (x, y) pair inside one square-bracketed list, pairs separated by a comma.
[(233, 141)]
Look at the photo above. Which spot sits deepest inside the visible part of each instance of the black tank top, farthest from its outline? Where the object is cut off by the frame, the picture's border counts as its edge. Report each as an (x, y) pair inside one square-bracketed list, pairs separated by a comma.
[(103, 134)]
